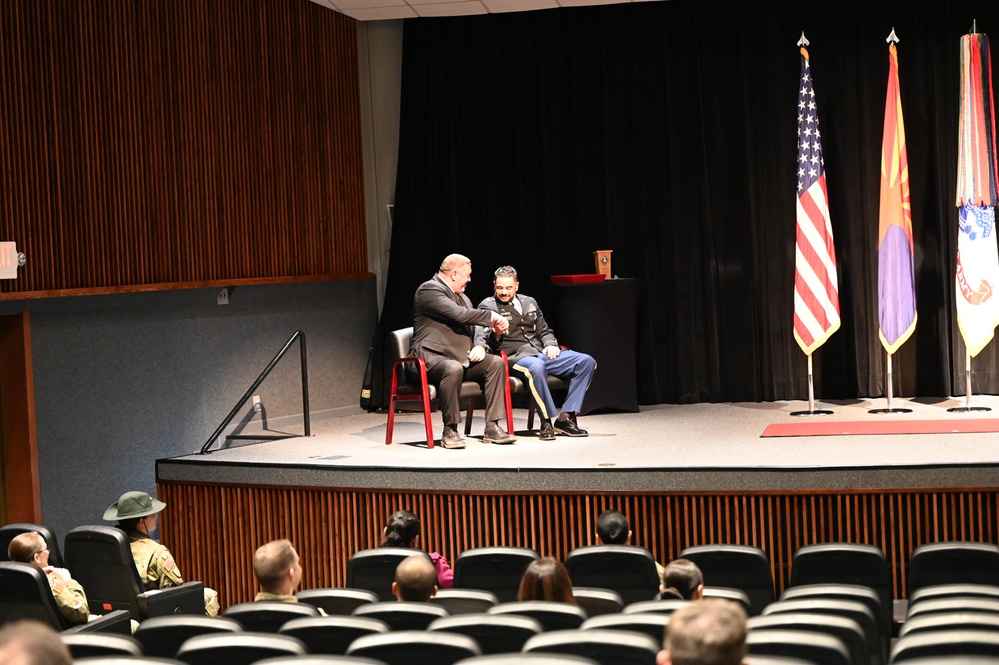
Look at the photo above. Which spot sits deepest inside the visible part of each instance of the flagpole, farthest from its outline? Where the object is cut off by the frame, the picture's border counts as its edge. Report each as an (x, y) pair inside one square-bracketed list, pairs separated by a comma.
[(811, 397), (967, 390), (890, 408)]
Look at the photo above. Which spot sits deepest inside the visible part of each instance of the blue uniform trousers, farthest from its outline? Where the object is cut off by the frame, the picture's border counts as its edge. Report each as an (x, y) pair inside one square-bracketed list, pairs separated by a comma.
[(572, 366)]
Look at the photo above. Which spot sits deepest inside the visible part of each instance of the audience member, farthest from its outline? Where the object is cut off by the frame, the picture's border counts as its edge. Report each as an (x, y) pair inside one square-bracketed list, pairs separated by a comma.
[(279, 570), (443, 326), (135, 513), (706, 632), (546, 579), (415, 580), (533, 352), (682, 579), (30, 547), (403, 530), (32, 643), (613, 529)]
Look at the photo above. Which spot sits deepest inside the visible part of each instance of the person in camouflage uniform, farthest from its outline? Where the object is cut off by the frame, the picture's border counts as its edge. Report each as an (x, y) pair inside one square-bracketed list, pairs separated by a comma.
[(70, 598), (278, 570), (136, 513)]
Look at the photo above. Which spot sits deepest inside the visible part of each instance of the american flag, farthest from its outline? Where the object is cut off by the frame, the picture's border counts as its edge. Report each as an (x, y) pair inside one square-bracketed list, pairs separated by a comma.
[(816, 290)]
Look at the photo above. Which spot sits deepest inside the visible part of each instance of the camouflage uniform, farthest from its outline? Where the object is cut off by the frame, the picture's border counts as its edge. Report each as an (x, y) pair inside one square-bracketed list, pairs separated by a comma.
[(282, 598), (158, 570), (69, 597)]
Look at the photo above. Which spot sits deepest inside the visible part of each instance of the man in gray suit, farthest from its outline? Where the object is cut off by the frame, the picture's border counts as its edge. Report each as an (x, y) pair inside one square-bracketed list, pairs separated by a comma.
[(444, 323)]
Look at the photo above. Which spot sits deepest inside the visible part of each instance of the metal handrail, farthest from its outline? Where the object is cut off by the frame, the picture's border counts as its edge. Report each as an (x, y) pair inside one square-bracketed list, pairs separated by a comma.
[(299, 335)]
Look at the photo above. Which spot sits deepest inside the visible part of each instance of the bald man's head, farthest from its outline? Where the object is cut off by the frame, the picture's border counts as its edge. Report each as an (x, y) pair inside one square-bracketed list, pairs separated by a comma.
[(415, 579)]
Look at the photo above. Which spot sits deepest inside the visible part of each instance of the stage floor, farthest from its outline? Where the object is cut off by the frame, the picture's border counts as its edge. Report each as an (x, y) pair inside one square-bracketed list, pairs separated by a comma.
[(699, 447)]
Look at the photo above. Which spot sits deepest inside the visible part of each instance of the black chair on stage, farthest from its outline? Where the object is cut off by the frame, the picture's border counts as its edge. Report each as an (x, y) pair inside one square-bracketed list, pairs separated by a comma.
[(607, 647), (332, 635), (495, 569), (27, 595), (551, 615), (626, 569), (268, 616), (596, 602), (161, 637), (374, 569), (402, 615), (494, 633), (848, 630), (337, 601), (465, 601), (10, 531), (813, 647), (738, 567), (237, 648), (653, 625), (955, 562), (82, 645), (415, 647), (101, 560)]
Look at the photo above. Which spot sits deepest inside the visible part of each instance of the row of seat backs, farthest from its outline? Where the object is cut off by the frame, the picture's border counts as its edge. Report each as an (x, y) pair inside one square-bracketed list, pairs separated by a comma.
[(100, 559)]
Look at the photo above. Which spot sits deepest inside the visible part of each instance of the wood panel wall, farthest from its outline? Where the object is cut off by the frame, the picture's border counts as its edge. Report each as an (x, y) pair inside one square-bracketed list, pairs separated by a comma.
[(164, 143), (213, 530)]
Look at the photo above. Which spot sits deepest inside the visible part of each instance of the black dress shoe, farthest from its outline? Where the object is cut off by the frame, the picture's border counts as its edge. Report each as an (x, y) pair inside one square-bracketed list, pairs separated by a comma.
[(547, 432), (495, 434), (569, 428), (451, 439)]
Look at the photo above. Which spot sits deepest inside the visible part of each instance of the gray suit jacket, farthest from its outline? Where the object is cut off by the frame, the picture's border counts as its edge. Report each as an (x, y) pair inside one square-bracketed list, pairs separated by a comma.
[(443, 329)]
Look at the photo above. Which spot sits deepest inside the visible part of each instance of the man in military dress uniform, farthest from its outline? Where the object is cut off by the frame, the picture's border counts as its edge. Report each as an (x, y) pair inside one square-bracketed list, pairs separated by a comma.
[(534, 352), (136, 513)]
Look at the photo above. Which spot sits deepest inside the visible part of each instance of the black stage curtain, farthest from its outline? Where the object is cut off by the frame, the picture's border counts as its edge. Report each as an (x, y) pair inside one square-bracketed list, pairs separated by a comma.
[(666, 131)]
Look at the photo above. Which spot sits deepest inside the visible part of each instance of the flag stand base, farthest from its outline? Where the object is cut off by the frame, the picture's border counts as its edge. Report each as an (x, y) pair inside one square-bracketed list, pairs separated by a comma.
[(812, 412), (889, 408), (967, 409)]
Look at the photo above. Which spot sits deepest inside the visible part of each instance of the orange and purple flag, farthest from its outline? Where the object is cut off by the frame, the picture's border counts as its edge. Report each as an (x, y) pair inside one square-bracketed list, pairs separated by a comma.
[(896, 254)]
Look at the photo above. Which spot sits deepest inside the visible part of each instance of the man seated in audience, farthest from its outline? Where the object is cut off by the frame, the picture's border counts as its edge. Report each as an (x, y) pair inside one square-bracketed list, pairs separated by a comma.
[(32, 643), (613, 529), (682, 579), (30, 547), (279, 570), (415, 580), (706, 632), (135, 513)]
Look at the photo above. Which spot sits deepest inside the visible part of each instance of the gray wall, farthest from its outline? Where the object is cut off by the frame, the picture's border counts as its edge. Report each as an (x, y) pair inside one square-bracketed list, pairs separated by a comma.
[(121, 380)]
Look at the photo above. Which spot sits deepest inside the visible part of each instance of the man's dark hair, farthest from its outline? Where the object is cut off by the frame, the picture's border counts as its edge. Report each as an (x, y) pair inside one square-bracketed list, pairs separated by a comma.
[(707, 632), (681, 579), (402, 529), (505, 271), (612, 528), (415, 579)]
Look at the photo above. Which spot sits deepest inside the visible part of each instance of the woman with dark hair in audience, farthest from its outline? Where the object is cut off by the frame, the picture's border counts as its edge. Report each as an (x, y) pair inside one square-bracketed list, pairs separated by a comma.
[(403, 530), (546, 579), (682, 580)]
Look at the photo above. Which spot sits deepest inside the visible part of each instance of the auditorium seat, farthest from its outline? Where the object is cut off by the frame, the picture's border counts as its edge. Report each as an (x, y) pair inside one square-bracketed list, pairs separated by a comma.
[(952, 605), (415, 647), (9, 531), (27, 595), (82, 645), (528, 659), (733, 595), (812, 647), (736, 566), (125, 660), (374, 569), (162, 636), (237, 648), (596, 602), (938, 591), (863, 594), (950, 621), (318, 659), (850, 609), (653, 625), (607, 647), (402, 615), (551, 615), (626, 569), (268, 616), (337, 601), (774, 660), (662, 606), (494, 633), (495, 569), (953, 562), (332, 635), (464, 601), (946, 643), (848, 630), (101, 561)]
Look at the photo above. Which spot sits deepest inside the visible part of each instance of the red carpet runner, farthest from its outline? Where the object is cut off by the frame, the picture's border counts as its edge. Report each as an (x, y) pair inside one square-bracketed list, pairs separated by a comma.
[(848, 428)]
